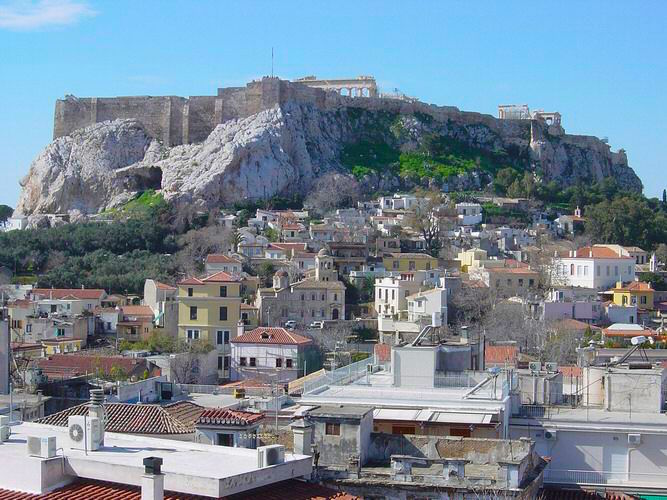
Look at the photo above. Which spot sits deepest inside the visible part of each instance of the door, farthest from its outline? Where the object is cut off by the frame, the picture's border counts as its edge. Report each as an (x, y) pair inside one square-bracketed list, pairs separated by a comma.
[(615, 462)]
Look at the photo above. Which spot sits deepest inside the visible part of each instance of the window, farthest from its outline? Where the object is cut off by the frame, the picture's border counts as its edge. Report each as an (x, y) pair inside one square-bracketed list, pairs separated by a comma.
[(222, 337), (225, 440), (223, 291), (332, 429), (253, 361), (531, 282), (323, 296), (28, 328), (190, 292), (607, 270), (223, 313), (60, 332), (335, 296), (312, 313), (520, 281), (393, 293), (624, 300), (226, 365), (312, 297), (571, 269), (597, 270), (411, 265), (428, 265), (288, 363), (193, 312), (193, 334), (615, 270), (643, 299), (303, 297), (509, 281), (242, 362), (585, 270), (54, 308), (221, 362), (394, 264), (279, 362)]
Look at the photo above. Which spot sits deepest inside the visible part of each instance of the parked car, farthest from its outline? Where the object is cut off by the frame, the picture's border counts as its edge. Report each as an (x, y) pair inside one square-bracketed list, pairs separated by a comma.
[(317, 324), (290, 325)]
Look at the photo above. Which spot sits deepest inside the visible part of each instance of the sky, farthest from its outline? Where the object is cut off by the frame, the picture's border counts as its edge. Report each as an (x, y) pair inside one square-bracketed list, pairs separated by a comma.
[(601, 64)]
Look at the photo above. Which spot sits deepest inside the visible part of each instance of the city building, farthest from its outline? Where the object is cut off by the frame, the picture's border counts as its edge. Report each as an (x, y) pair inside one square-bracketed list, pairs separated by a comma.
[(209, 310), (597, 266)]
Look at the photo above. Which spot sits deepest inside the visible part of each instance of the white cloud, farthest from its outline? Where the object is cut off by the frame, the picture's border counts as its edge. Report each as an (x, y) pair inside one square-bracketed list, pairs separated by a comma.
[(36, 14)]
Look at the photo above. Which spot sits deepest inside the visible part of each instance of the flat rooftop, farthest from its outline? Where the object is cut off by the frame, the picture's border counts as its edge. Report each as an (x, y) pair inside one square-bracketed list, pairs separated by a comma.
[(379, 392), (192, 468), (583, 418)]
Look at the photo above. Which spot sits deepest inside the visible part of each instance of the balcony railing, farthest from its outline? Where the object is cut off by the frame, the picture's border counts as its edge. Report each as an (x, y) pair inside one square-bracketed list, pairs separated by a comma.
[(588, 477)]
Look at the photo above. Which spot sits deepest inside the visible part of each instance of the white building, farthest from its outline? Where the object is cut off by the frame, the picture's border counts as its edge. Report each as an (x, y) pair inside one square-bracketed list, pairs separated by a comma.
[(423, 305), (469, 214), (393, 289), (273, 354), (216, 262), (163, 301), (597, 266)]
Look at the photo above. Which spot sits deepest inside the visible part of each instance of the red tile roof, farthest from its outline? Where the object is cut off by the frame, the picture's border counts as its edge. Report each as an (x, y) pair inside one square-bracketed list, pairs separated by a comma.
[(218, 258), (570, 371), (185, 412), (635, 286), (501, 354), (73, 365), (271, 335), (164, 286), (574, 325), (223, 416), (289, 246), (128, 419), (595, 252), (137, 311), (220, 277), (60, 293), (382, 352)]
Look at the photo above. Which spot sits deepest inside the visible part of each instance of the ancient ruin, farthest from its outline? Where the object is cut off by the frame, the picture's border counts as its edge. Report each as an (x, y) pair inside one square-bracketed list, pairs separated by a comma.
[(522, 112), (362, 86)]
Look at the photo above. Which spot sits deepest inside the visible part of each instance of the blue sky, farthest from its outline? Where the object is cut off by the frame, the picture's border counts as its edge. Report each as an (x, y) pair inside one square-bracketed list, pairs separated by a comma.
[(601, 64)]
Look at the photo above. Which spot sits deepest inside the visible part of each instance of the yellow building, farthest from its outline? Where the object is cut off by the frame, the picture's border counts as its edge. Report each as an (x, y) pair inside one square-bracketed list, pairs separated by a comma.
[(61, 345), (409, 262), (474, 257), (209, 310), (635, 293)]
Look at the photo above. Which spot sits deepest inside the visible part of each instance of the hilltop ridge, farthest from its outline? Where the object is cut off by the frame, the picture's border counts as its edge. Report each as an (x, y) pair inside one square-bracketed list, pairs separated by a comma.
[(274, 137)]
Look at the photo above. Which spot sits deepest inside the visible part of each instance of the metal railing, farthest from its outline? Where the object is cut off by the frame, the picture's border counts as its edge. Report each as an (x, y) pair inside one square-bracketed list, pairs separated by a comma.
[(588, 477), (340, 376)]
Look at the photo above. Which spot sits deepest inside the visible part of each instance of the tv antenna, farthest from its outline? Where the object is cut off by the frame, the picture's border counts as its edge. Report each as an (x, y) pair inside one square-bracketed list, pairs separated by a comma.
[(271, 62)]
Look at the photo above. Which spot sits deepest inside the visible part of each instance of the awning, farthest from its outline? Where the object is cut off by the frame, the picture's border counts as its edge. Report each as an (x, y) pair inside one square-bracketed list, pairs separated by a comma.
[(437, 416)]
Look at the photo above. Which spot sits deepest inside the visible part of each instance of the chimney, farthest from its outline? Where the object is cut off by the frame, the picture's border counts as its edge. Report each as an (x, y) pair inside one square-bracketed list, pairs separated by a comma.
[(152, 482), (96, 409), (240, 328)]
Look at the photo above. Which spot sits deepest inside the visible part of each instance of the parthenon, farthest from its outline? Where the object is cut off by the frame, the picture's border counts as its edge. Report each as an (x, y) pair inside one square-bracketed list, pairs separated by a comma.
[(361, 86)]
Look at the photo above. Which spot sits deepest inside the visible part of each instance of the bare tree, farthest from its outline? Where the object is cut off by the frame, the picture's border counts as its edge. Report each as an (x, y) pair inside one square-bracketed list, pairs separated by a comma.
[(185, 365), (333, 191), (432, 217), (196, 244)]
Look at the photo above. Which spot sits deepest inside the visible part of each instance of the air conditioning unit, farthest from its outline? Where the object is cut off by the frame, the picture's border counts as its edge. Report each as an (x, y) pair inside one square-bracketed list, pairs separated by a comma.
[(551, 367), (42, 447), (270, 455), (550, 435), (535, 366), (84, 433), (635, 439)]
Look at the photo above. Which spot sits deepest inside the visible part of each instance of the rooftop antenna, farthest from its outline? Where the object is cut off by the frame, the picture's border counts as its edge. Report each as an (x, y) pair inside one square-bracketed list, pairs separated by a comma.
[(271, 62)]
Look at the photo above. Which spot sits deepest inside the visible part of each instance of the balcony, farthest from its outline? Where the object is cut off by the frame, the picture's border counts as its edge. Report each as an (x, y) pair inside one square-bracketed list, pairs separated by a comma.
[(640, 480)]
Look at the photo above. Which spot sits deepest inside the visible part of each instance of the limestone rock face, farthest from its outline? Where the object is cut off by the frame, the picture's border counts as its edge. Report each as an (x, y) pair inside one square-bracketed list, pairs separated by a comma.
[(283, 150), (76, 172)]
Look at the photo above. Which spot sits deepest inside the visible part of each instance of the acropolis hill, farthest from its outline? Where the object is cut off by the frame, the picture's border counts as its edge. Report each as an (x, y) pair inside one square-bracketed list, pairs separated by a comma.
[(276, 137)]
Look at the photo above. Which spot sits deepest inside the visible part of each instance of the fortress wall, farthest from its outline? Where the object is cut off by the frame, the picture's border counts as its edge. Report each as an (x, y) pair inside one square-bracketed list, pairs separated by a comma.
[(231, 104), (200, 119), (71, 114), (153, 112)]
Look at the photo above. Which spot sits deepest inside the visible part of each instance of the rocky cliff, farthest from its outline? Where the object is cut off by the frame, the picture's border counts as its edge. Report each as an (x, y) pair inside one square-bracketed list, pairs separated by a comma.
[(284, 149)]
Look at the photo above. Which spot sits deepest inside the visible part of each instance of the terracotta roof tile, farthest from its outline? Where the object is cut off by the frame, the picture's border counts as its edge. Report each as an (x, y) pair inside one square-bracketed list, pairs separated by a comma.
[(382, 352), (219, 277), (93, 490), (164, 286), (185, 412), (78, 293), (73, 365), (635, 286), (224, 416), (137, 311), (128, 419), (500, 354), (271, 335), (595, 252), (218, 258)]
